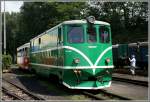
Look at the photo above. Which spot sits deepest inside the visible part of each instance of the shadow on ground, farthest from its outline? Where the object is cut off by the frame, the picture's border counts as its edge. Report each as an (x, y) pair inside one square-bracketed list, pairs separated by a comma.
[(41, 85)]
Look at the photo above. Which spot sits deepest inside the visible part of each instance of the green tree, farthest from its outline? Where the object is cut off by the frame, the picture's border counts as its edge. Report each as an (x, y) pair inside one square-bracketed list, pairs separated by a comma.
[(129, 20), (36, 17), (11, 32)]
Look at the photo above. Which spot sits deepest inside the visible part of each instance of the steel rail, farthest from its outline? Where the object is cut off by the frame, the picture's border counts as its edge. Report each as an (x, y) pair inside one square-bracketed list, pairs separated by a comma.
[(11, 94), (137, 82), (25, 91), (103, 97), (115, 95), (93, 96)]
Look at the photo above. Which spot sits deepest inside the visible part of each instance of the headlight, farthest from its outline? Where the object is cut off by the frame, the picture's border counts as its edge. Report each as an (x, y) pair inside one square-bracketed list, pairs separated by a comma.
[(107, 60), (91, 19), (76, 60)]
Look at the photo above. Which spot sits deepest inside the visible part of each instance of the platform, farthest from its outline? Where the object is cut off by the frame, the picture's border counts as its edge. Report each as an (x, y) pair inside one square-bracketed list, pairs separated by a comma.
[(127, 76)]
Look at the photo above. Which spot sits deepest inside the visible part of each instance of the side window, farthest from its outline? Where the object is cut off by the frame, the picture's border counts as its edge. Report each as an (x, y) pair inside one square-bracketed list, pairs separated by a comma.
[(33, 45), (22, 52), (104, 34), (60, 36), (25, 52), (91, 32), (19, 53), (40, 43), (36, 44), (75, 34)]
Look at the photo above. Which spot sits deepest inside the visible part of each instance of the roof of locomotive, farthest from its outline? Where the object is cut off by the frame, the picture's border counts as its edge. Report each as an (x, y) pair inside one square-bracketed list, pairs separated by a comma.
[(71, 22), (23, 46), (84, 21)]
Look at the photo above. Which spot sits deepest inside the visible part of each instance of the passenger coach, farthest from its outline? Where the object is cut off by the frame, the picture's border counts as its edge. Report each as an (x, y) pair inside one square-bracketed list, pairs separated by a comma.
[(23, 56), (78, 53)]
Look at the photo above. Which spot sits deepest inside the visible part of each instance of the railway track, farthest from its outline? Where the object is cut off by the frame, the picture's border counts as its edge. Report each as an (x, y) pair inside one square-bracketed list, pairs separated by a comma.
[(98, 95), (137, 82), (9, 96), (103, 95), (16, 92)]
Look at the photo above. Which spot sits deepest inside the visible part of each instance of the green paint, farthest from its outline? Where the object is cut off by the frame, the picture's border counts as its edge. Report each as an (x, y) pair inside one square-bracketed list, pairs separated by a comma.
[(65, 57)]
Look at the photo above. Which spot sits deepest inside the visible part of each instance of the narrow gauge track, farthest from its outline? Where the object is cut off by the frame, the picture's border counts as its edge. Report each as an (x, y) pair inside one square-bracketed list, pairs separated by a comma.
[(137, 82), (11, 96), (19, 92), (105, 95)]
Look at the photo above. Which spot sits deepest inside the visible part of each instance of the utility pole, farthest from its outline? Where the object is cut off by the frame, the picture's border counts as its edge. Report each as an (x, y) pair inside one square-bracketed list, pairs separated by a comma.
[(0, 32), (4, 31), (0, 51)]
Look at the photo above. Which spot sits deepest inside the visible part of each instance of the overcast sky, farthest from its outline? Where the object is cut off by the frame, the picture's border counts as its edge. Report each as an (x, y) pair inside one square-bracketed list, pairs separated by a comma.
[(11, 6)]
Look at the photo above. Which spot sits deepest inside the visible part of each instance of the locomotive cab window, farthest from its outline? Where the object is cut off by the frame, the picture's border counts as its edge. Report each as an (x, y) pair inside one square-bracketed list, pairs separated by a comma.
[(91, 31), (60, 36), (75, 34), (104, 34)]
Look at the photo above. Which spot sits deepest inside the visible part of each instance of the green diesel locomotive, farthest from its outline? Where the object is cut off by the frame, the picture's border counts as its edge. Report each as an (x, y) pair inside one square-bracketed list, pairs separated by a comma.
[(78, 53)]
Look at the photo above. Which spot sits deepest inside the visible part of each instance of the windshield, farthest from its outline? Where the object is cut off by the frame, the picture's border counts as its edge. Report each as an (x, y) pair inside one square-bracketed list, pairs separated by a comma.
[(91, 31), (75, 34), (104, 34)]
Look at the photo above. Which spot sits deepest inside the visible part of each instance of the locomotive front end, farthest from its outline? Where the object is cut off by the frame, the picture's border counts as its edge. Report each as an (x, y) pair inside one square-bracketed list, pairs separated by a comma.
[(88, 59)]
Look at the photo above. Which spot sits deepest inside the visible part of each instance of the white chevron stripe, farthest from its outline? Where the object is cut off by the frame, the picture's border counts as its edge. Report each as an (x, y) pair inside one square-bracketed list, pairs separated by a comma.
[(71, 48), (71, 67), (94, 66), (81, 53), (101, 55)]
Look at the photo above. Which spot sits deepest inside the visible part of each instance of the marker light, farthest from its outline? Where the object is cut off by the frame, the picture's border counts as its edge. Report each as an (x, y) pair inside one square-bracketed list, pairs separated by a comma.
[(77, 71), (76, 60), (91, 19), (107, 72)]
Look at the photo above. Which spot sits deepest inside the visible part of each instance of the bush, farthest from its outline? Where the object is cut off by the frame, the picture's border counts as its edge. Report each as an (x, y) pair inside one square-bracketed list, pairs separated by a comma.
[(6, 61)]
